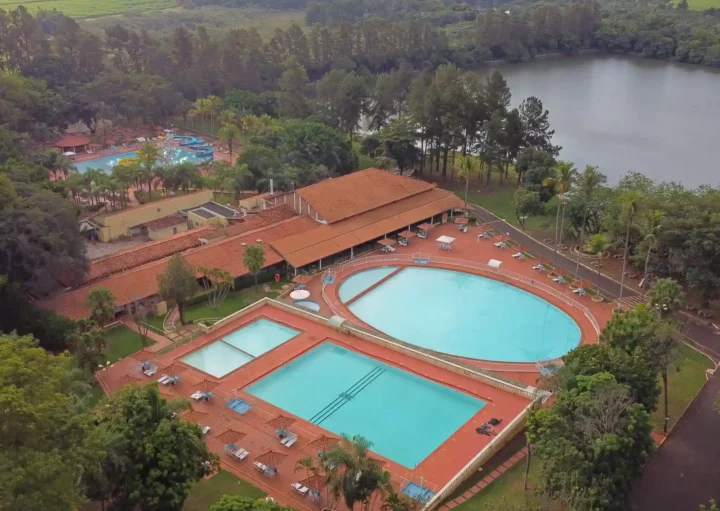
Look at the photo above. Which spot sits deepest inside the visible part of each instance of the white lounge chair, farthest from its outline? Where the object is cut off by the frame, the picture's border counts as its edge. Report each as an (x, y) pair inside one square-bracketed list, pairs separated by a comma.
[(164, 379), (422, 235), (500, 244), (240, 454), (291, 441), (151, 371), (403, 242), (205, 430), (391, 249), (259, 466), (518, 255), (302, 490), (579, 291), (197, 395), (539, 267)]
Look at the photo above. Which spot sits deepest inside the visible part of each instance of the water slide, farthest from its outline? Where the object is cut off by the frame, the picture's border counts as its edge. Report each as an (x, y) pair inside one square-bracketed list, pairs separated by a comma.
[(197, 145)]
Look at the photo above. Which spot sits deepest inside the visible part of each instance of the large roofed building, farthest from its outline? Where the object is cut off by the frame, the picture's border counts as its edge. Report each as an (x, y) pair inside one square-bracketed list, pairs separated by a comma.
[(309, 228), (356, 210)]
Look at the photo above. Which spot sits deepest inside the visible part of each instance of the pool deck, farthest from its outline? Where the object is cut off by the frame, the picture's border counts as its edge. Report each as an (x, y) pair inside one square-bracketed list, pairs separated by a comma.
[(259, 437), (467, 247)]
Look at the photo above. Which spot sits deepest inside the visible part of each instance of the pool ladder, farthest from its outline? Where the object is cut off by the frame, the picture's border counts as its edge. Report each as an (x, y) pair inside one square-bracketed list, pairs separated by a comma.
[(347, 395)]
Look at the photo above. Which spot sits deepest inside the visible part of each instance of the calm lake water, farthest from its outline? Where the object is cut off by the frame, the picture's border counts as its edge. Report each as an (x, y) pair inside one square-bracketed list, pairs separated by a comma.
[(628, 114)]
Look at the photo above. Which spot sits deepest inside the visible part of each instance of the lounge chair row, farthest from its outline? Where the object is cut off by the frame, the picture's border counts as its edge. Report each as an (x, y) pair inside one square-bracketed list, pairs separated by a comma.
[(239, 453), (199, 394), (267, 471), (171, 380), (305, 491)]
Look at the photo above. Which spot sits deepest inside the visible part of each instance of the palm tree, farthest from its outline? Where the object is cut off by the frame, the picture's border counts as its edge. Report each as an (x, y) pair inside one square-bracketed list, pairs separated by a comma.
[(55, 162), (630, 202), (148, 154), (229, 134), (201, 108), (588, 183), (561, 182), (215, 105), (307, 464), (667, 297), (651, 227), (254, 260), (351, 472), (467, 170), (598, 244)]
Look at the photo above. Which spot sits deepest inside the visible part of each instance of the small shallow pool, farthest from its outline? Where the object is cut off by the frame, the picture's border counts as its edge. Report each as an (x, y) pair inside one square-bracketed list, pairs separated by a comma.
[(308, 304), (465, 315)]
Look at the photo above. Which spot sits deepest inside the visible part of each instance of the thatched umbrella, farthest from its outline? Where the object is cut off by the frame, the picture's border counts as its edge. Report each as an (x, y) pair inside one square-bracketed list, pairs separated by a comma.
[(128, 380), (271, 458), (281, 422), (174, 369), (194, 416), (230, 436), (206, 385), (324, 443), (314, 482)]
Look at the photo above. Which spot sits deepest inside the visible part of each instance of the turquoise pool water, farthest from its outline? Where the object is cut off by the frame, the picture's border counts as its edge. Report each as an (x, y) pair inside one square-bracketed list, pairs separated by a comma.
[(359, 282), (405, 417), (240, 347), (172, 156), (466, 315)]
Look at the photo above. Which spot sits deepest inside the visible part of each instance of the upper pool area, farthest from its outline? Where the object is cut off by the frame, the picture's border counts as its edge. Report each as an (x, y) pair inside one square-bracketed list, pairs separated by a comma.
[(464, 315), (359, 282), (171, 155), (240, 347), (406, 417)]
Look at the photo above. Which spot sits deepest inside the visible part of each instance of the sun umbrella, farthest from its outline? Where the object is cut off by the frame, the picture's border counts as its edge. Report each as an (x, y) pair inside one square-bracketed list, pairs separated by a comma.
[(300, 294)]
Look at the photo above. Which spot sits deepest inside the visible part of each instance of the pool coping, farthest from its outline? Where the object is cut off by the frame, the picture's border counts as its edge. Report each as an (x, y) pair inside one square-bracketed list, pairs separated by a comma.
[(333, 300)]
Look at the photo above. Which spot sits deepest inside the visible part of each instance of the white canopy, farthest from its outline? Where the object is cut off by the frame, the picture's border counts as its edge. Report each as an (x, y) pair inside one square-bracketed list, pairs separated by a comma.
[(445, 239), (299, 294), (494, 263), (69, 153)]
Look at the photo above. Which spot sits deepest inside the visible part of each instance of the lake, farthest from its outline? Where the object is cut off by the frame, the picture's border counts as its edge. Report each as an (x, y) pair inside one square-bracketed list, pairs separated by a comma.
[(628, 114)]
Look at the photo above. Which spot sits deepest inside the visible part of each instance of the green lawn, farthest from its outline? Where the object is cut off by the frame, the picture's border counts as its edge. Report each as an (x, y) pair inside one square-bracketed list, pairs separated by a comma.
[(122, 341), (686, 377), (156, 322), (506, 491), (234, 301), (208, 491), (701, 5), (90, 9), (364, 161), (499, 200)]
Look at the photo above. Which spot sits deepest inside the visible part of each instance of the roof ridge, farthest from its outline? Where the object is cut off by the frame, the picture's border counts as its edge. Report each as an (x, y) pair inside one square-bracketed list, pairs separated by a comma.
[(150, 244)]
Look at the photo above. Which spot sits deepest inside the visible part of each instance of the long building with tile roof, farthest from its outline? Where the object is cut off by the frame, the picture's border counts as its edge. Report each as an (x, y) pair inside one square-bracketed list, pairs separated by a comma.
[(310, 228)]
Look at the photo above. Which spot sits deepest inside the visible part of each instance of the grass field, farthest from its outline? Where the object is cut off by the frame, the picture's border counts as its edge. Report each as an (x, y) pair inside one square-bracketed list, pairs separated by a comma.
[(701, 5), (80, 9), (686, 377), (122, 341), (208, 491), (364, 161), (234, 301), (214, 18), (506, 491), (499, 200)]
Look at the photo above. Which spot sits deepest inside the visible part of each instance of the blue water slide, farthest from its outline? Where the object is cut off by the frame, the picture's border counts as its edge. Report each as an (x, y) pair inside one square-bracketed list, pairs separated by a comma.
[(204, 152)]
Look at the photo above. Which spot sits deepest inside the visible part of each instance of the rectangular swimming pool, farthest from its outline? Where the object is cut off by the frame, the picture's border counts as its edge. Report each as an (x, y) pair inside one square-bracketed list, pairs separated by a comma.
[(240, 347), (406, 417)]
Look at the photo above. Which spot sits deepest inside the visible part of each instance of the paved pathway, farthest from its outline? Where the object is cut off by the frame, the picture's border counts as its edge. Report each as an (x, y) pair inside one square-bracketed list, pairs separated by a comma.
[(684, 473)]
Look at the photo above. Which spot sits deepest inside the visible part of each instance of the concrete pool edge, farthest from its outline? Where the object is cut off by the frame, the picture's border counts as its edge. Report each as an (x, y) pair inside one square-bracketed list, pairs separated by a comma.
[(589, 332)]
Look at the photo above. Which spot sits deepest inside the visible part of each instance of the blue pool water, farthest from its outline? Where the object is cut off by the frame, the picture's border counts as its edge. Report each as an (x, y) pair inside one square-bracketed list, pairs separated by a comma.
[(359, 282), (173, 156), (406, 417), (466, 315), (240, 347)]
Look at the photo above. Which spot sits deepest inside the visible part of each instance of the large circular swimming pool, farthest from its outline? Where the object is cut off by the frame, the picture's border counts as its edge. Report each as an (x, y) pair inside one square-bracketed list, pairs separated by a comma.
[(460, 314)]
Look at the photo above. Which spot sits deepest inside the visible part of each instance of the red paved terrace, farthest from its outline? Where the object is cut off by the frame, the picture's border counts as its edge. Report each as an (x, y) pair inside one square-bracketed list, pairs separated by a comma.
[(252, 431), (467, 250)]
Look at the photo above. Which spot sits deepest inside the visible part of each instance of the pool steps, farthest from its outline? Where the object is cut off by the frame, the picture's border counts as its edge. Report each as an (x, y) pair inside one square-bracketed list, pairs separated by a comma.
[(373, 286), (347, 395)]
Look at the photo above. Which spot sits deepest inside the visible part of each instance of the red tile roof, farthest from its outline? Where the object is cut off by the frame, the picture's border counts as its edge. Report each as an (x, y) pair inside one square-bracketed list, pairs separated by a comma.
[(326, 240), (256, 220), (141, 282), (148, 252), (74, 141), (356, 193), (168, 221)]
